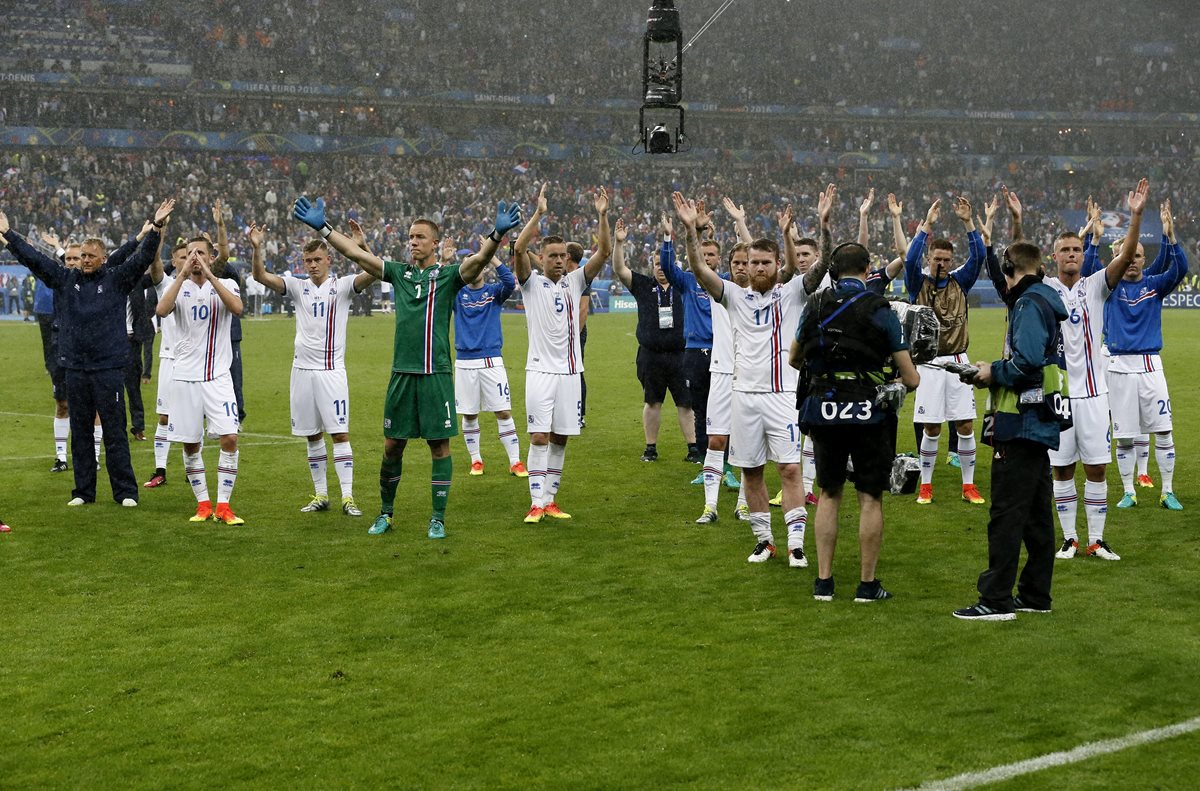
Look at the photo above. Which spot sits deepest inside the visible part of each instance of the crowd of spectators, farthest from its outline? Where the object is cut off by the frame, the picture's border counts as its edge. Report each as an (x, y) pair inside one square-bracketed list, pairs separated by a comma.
[(89, 192), (1012, 56)]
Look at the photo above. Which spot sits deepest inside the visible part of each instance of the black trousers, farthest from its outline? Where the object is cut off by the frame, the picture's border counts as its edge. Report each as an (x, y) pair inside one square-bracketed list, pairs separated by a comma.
[(695, 370), (103, 392), (1022, 512), (235, 373), (133, 388), (147, 356)]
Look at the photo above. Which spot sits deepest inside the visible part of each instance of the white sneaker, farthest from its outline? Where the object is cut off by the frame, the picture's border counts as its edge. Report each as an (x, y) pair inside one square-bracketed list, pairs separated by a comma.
[(76, 501), (708, 517), (742, 513), (1103, 551), (129, 502), (1069, 548), (796, 559), (763, 551)]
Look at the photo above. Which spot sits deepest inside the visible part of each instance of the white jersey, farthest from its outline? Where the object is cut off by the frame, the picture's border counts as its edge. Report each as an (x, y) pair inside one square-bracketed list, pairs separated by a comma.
[(166, 347), (202, 348), (321, 313), (721, 361), (1082, 333), (764, 325), (552, 318)]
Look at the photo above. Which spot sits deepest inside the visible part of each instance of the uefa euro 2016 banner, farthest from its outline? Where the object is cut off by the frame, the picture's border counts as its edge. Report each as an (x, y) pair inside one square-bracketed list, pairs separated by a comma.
[(1116, 224)]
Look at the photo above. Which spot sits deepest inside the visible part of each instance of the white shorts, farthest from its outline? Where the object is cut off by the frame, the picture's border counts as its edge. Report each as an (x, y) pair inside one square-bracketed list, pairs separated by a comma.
[(320, 402), (166, 378), (192, 402), (943, 397), (1089, 439), (481, 389), (720, 405), (765, 427), (1140, 404), (553, 403)]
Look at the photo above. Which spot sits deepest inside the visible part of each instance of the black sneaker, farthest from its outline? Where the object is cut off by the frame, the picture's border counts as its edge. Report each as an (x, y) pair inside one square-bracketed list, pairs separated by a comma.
[(1023, 607), (694, 455), (823, 589), (59, 466), (981, 612), (650, 453), (870, 591)]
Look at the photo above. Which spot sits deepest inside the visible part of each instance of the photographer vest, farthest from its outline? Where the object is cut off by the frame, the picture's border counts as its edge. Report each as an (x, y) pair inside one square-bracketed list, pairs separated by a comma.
[(950, 306)]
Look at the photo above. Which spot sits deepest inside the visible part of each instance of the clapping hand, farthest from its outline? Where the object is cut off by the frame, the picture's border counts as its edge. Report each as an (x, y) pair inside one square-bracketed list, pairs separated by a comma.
[(622, 233), (601, 202), (257, 234), (685, 209), (733, 210), (357, 234), (868, 201)]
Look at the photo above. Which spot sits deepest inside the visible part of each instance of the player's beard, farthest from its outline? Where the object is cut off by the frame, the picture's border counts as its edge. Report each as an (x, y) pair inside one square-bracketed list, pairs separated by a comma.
[(762, 283)]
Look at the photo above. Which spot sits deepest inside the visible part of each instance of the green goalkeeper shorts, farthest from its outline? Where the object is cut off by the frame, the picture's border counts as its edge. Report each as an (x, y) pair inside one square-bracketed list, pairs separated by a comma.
[(420, 406)]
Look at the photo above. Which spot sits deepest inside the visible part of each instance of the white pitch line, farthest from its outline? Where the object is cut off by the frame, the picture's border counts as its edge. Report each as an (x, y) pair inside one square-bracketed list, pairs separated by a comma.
[(240, 433), (291, 441), (1081, 753)]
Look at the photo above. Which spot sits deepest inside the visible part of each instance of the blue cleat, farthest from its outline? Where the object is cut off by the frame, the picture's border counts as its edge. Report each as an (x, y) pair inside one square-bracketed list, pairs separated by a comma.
[(953, 461), (731, 481), (382, 524), (1170, 501), (698, 480), (1128, 501), (436, 529)]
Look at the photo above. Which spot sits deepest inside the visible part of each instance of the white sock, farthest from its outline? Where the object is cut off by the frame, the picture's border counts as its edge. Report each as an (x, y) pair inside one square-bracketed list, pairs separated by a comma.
[(1164, 457), (62, 429), (741, 491), (538, 455), (343, 464), (1125, 463), (470, 432), (1066, 502), (1142, 444), (714, 470), (966, 457), (162, 447), (929, 452), (557, 454), (1095, 505), (98, 439), (808, 465), (796, 520), (510, 440), (193, 468), (318, 460), (760, 525), (227, 469)]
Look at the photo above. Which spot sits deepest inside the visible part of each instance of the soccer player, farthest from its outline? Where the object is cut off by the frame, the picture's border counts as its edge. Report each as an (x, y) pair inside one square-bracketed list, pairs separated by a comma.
[(1087, 440), (202, 306), (420, 396), (554, 361), (1137, 385), (941, 397), (166, 363), (320, 394), (480, 376), (47, 317), (764, 425)]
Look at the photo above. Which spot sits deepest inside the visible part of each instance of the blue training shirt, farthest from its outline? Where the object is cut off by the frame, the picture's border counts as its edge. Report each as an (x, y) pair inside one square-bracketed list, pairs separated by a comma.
[(1133, 313), (965, 275), (477, 332), (697, 306)]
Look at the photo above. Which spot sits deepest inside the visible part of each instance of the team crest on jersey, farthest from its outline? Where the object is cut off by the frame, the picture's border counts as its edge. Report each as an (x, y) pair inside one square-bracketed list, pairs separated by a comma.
[(387, 422), (306, 291), (546, 284), (100, 289), (408, 274), (447, 424)]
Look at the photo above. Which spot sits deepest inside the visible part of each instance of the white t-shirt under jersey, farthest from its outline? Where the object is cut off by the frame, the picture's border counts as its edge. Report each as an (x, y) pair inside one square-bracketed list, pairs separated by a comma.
[(721, 361), (202, 348), (552, 318), (1083, 331), (764, 325), (321, 313)]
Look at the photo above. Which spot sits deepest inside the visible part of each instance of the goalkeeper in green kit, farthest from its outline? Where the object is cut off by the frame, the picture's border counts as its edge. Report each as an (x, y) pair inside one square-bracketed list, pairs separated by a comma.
[(420, 396)]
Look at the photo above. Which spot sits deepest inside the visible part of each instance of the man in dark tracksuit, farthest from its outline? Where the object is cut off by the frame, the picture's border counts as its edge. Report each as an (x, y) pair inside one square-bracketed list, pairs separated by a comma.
[(93, 346)]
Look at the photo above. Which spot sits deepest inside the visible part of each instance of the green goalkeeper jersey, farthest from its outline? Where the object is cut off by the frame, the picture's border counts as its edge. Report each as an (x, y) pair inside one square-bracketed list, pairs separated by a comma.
[(424, 301)]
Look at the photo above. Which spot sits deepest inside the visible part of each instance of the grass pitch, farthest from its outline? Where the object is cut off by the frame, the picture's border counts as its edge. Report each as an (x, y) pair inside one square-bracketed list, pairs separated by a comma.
[(625, 648)]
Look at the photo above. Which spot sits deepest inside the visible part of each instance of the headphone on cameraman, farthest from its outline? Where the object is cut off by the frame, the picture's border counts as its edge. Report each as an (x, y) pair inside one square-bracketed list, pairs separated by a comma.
[(835, 271)]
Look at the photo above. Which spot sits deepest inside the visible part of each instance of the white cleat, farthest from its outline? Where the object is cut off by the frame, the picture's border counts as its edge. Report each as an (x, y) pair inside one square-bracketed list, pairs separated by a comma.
[(708, 517), (763, 551), (796, 559), (74, 501), (129, 502), (1070, 547)]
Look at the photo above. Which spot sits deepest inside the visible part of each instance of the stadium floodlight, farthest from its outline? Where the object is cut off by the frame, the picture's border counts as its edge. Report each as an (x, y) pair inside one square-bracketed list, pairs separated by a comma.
[(662, 79)]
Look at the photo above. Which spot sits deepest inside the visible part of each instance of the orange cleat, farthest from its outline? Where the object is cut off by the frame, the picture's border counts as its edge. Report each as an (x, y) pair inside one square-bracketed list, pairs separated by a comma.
[(519, 470), (556, 512), (971, 494), (204, 511), (1145, 481), (226, 515), (925, 496), (535, 515), (477, 468)]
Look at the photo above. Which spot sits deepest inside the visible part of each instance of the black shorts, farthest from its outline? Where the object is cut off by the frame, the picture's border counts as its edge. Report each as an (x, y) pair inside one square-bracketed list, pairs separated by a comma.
[(662, 371), (872, 448)]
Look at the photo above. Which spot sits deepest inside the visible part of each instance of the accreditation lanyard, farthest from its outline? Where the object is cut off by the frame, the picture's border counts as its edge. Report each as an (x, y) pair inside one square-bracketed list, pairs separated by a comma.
[(666, 313)]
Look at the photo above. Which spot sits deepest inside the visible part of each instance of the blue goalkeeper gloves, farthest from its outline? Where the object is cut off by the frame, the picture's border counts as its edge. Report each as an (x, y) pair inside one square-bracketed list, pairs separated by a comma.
[(311, 215), (507, 218)]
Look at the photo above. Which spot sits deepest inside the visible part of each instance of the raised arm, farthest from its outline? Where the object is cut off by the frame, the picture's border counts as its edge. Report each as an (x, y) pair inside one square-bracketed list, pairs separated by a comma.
[(603, 240), (816, 272), (129, 271), (739, 220), (258, 269), (44, 268), (1093, 235), (1137, 205), (222, 235), (968, 273), (899, 240), (914, 278), (363, 279), (313, 215), (619, 268), (787, 221), (166, 303), (864, 212), (1014, 210), (712, 282), (521, 267), (507, 218)]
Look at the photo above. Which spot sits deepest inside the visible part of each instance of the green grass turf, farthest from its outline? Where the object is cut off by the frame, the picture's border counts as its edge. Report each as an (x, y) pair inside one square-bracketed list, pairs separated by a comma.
[(626, 648)]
